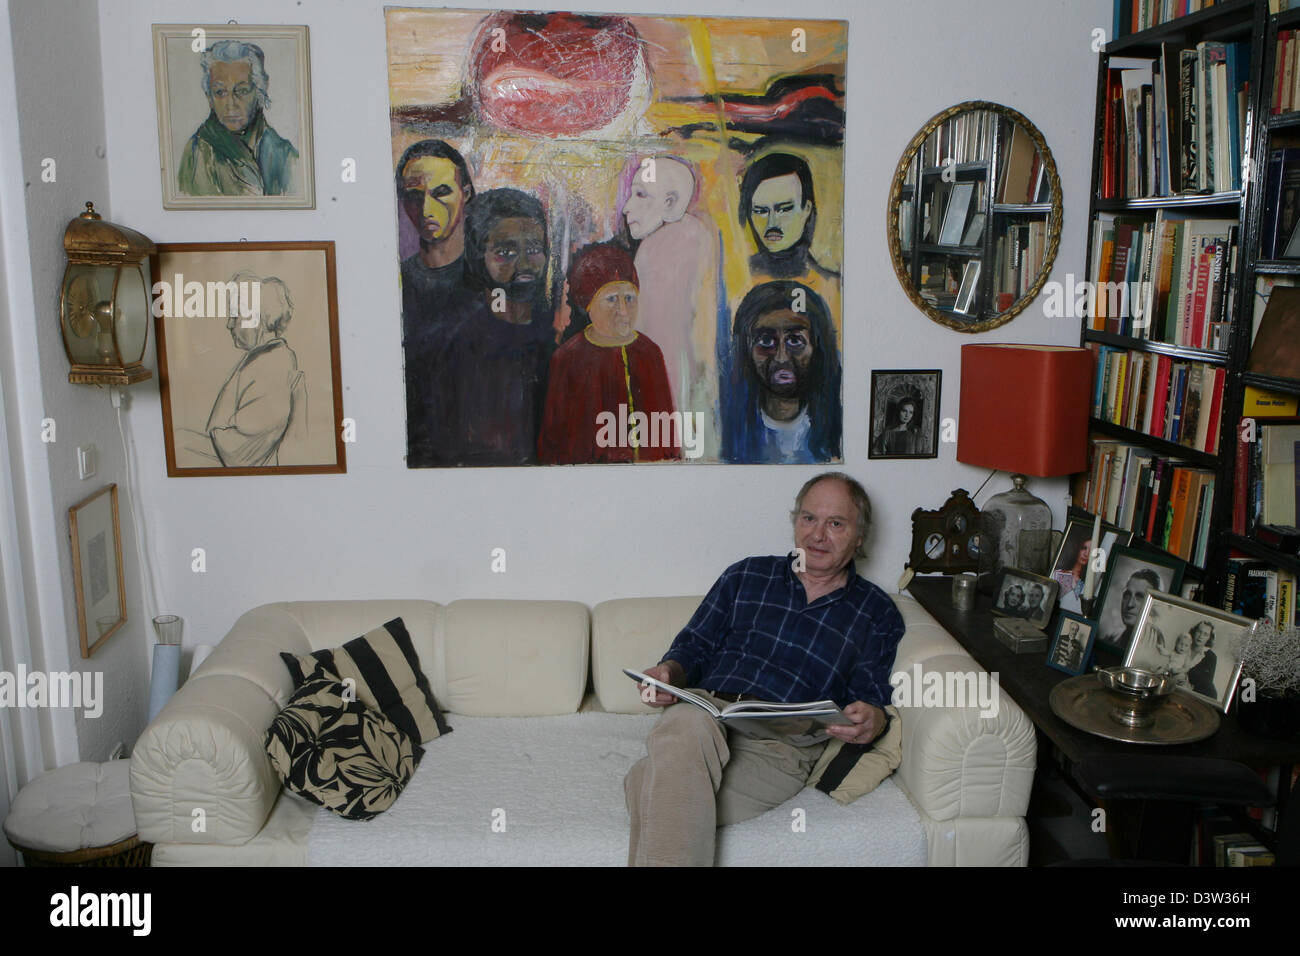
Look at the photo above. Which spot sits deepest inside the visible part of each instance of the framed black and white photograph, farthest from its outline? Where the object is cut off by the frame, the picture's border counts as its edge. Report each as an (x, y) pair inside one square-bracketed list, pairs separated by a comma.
[(1025, 595), (1130, 574), (1199, 646), (1072, 643), (1070, 566), (96, 534), (234, 116), (905, 413)]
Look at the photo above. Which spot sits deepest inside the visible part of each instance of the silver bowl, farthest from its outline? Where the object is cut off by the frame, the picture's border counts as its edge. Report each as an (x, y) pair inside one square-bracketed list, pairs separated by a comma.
[(1136, 694)]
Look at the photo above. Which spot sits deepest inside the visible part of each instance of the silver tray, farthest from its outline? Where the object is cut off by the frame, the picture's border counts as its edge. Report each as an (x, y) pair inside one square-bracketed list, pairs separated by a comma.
[(1083, 703)]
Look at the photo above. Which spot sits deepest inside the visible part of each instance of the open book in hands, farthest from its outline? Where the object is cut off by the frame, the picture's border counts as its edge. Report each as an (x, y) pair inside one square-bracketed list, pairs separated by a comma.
[(799, 721)]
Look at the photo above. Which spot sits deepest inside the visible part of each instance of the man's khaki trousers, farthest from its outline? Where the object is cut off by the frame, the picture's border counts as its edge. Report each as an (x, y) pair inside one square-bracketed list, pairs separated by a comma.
[(697, 776)]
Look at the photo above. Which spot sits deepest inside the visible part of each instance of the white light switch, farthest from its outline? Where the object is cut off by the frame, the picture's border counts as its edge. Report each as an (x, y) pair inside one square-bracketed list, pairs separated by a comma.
[(87, 461)]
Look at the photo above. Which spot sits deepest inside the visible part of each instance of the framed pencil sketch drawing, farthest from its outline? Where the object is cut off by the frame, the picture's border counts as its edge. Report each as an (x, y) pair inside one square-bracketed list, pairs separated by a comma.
[(97, 568), (234, 116), (248, 358)]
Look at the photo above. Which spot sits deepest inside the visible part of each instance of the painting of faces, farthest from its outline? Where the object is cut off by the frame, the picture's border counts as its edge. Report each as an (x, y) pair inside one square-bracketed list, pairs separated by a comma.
[(1130, 575), (1196, 645), (619, 237)]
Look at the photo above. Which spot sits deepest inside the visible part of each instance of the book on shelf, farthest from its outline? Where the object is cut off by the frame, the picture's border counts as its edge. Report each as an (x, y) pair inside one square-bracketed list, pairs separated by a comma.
[(1275, 350), (1176, 123), (1259, 590), (1162, 500), (1166, 279), (1278, 236), (1177, 400), (1266, 492)]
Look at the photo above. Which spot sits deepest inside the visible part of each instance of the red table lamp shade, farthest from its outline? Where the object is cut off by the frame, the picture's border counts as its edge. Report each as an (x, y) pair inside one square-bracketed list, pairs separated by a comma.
[(1024, 408)]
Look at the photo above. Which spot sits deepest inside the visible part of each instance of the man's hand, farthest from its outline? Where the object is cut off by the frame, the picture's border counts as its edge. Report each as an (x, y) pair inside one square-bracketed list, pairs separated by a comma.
[(868, 722), (669, 672)]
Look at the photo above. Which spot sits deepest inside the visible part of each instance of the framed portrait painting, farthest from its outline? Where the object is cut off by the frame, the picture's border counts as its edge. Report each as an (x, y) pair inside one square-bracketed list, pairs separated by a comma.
[(905, 413), (1130, 574), (1199, 646), (234, 116), (248, 358), (96, 534)]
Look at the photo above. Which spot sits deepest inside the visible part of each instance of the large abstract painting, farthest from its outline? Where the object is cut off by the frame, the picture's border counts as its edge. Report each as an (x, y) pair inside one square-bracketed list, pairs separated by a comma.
[(620, 237)]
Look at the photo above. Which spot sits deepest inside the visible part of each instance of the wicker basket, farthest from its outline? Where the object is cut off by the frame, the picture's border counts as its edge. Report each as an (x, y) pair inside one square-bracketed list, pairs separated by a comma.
[(130, 852)]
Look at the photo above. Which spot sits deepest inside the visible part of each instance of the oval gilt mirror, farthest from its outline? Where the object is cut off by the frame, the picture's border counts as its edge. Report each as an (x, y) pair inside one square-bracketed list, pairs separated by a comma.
[(975, 216)]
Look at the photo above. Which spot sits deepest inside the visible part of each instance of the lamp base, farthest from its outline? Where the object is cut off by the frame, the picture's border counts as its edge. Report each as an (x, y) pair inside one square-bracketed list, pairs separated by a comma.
[(1016, 530), (99, 375)]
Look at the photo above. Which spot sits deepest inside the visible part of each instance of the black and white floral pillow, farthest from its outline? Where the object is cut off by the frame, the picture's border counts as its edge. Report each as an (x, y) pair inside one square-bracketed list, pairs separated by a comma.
[(339, 753)]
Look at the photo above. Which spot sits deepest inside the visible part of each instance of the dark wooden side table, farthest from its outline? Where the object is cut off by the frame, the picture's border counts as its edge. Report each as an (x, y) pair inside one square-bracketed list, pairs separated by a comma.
[(1029, 682)]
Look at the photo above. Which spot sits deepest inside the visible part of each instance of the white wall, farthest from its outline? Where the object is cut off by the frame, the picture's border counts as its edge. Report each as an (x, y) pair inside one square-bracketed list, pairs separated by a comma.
[(60, 115), (586, 533)]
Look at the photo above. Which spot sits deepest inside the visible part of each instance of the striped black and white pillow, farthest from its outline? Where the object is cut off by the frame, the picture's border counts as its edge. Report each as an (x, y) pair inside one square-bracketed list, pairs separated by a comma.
[(386, 670)]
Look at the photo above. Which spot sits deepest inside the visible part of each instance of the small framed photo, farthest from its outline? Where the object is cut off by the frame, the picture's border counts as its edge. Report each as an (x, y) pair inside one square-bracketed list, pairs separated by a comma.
[(97, 568), (234, 116), (1130, 574), (1026, 595), (1070, 566), (1072, 643), (248, 358), (905, 413), (970, 278), (1200, 646)]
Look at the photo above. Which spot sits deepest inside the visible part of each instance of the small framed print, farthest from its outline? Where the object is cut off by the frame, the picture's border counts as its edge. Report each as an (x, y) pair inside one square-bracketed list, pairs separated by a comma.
[(1025, 595), (1199, 646), (96, 536), (1130, 574), (905, 413), (248, 358), (970, 278), (1070, 566), (1072, 643), (234, 116)]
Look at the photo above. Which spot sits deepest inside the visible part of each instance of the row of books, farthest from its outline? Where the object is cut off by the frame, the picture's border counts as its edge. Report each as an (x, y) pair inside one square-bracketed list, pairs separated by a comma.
[(1162, 500), (1259, 591), (1132, 16), (1279, 233), (1168, 279), (1021, 255), (966, 138), (1175, 124), (1159, 396), (1286, 75), (1266, 493)]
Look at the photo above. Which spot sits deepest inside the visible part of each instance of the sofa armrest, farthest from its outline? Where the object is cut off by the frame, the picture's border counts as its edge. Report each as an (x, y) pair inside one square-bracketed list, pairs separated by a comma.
[(964, 761), (199, 772)]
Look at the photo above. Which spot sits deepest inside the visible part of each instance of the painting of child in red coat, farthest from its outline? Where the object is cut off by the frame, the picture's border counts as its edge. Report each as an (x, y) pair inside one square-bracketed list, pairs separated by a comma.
[(608, 397)]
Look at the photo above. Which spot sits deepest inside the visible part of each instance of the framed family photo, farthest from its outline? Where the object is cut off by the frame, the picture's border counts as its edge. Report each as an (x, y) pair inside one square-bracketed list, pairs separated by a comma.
[(248, 358), (905, 413), (234, 116), (1130, 575), (1072, 643), (96, 534), (1070, 566), (1025, 595), (1199, 646)]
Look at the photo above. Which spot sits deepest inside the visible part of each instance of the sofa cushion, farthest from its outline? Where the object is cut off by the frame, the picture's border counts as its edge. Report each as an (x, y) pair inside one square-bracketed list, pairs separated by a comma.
[(847, 771), (339, 753), (386, 672)]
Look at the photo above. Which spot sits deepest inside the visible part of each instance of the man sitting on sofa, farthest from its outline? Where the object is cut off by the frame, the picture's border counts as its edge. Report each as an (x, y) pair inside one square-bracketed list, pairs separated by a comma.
[(798, 628)]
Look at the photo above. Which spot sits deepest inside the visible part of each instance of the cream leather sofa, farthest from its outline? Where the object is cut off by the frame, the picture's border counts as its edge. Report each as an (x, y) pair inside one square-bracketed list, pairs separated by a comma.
[(532, 772)]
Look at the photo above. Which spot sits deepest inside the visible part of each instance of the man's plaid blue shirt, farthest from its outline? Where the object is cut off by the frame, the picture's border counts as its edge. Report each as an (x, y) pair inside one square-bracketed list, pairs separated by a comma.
[(755, 633)]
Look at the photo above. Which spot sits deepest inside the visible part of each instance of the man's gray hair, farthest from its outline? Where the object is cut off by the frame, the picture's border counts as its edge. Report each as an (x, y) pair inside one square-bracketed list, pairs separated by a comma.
[(233, 51), (278, 316), (857, 494)]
